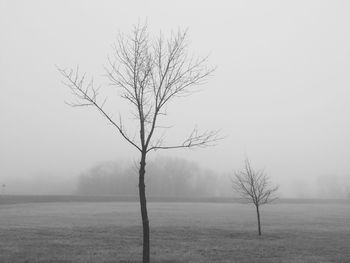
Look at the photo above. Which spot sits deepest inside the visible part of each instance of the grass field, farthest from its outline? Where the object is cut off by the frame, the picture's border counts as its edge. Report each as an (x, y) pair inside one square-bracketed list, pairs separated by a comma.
[(180, 232)]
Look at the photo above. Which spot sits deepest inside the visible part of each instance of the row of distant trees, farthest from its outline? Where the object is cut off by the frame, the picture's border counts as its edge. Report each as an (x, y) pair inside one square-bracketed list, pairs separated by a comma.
[(178, 177), (168, 177)]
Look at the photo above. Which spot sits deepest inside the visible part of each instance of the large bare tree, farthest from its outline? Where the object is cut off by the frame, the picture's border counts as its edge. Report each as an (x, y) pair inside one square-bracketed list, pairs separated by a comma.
[(150, 73), (255, 187)]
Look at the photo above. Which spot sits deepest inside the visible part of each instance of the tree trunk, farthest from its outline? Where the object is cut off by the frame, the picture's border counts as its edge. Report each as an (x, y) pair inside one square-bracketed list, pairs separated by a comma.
[(258, 215), (143, 204)]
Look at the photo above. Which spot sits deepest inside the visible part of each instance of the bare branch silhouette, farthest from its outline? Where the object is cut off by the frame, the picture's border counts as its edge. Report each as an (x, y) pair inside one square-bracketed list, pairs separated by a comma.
[(87, 96)]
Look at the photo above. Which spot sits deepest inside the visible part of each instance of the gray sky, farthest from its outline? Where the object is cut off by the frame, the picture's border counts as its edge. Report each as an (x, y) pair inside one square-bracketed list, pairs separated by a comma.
[(280, 93)]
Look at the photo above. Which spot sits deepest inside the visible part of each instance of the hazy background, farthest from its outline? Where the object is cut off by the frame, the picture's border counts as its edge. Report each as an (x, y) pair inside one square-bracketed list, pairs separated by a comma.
[(280, 93)]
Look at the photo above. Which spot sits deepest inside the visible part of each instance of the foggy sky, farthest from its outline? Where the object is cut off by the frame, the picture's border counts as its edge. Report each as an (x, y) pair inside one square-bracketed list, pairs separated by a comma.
[(280, 93)]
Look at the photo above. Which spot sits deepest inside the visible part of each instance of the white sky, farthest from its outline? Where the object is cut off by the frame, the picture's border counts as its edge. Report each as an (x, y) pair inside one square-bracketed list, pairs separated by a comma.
[(280, 93)]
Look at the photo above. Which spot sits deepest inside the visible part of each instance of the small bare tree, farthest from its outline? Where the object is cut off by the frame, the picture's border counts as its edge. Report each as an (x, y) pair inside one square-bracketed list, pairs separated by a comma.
[(255, 187), (150, 73)]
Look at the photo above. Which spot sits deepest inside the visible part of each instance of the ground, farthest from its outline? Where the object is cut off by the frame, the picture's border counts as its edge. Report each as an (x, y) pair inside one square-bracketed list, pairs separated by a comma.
[(180, 232)]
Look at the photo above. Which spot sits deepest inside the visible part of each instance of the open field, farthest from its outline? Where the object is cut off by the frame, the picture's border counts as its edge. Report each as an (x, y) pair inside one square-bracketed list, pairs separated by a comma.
[(180, 232)]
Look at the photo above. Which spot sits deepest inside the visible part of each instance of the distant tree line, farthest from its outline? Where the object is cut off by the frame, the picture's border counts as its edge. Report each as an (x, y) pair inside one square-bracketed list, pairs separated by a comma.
[(167, 177), (333, 186)]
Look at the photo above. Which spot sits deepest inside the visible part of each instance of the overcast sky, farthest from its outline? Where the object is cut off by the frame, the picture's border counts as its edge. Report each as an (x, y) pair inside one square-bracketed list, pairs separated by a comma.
[(280, 94)]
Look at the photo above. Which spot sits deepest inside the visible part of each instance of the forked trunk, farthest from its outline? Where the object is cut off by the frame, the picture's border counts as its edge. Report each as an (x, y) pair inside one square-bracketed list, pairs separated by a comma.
[(258, 215), (144, 215)]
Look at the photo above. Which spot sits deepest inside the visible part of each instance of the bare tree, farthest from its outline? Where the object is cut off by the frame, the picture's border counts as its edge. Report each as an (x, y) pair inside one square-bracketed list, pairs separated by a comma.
[(149, 72), (255, 187)]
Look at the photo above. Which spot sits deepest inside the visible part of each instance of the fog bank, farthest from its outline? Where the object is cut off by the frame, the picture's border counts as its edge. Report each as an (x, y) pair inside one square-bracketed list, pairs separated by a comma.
[(165, 177)]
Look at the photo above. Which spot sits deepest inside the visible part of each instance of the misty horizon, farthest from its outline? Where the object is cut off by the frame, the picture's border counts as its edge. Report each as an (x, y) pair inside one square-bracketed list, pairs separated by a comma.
[(219, 184)]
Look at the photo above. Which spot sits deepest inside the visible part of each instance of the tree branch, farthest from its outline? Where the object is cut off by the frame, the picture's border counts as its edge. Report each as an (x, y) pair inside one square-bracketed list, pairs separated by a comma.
[(89, 94), (194, 140)]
